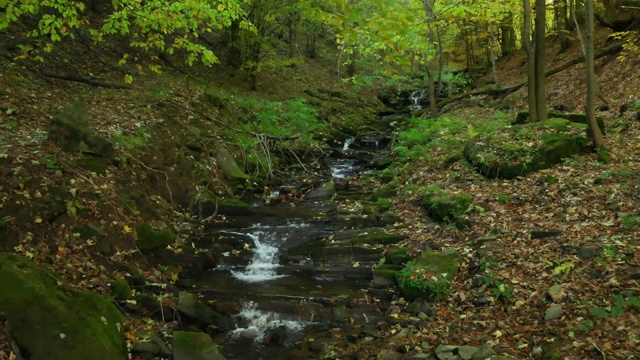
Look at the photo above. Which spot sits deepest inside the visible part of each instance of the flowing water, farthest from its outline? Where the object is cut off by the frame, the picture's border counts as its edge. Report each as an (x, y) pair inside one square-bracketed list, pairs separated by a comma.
[(292, 285)]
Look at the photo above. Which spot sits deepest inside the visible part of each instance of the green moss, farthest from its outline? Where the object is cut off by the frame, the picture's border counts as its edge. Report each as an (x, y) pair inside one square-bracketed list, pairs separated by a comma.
[(54, 321), (387, 271), (429, 276), (398, 256), (150, 238), (120, 290), (442, 207), (194, 345)]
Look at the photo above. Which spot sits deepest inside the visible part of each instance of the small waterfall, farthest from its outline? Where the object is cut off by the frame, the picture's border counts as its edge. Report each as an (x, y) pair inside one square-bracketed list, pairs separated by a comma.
[(265, 260), (347, 143), (415, 97), (255, 323)]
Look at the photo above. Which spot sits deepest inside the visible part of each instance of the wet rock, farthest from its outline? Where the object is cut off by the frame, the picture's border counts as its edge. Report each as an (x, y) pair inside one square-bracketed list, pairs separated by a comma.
[(50, 319), (553, 312), (145, 347), (194, 346), (325, 191), (481, 301), (189, 305), (228, 307), (384, 276), (419, 306)]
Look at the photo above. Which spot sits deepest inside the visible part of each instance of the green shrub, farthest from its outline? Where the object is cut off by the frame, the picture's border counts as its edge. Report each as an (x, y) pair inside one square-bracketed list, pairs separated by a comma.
[(416, 281)]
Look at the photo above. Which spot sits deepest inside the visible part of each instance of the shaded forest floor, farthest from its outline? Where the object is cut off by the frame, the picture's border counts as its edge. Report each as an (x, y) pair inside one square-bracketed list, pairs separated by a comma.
[(584, 202)]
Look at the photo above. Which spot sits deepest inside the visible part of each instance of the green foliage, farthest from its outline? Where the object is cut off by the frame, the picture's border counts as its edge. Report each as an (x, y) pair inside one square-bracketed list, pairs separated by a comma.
[(383, 204), (619, 306), (630, 222), (563, 269), (153, 26), (129, 203), (503, 198)]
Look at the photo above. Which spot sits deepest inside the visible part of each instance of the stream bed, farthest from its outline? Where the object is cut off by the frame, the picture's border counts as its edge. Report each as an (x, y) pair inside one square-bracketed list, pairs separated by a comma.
[(306, 271)]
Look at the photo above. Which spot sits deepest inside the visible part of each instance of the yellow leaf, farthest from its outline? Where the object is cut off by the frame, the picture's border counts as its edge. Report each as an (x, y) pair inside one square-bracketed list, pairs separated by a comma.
[(38, 220), (127, 229), (128, 79), (395, 316), (62, 250)]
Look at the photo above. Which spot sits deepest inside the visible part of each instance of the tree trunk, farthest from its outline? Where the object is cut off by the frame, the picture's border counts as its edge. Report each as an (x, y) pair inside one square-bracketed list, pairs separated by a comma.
[(431, 64), (594, 129), (507, 35), (540, 80), (528, 47), (493, 54), (561, 24)]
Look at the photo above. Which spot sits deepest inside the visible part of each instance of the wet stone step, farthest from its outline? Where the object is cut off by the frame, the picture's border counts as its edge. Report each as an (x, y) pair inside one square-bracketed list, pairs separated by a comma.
[(318, 252)]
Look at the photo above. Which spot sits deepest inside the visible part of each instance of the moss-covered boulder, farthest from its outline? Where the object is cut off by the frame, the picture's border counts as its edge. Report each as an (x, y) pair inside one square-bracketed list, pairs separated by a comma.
[(398, 256), (151, 239), (120, 290), (230, 169), (384, 276), (194, 346), (521, 149), (449, 208), (576, 118), (429, 275), (51, 320), (208, 203)]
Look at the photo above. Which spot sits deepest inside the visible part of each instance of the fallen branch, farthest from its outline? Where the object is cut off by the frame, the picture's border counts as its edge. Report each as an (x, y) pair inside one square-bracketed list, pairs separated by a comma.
[(80, 79), (611, 49)]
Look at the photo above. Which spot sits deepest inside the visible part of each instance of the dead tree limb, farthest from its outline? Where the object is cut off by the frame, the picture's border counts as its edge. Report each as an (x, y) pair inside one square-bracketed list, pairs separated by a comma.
[(84, 80), (611, 49)]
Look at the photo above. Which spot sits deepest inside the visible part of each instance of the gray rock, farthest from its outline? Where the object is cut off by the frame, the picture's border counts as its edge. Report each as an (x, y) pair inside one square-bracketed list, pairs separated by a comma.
[(553, 312), (389, 355), (230, 169), (444, 352), (467, 352), (194, 308), (325, 191), (194, 346), (146, 346), (485, 352)]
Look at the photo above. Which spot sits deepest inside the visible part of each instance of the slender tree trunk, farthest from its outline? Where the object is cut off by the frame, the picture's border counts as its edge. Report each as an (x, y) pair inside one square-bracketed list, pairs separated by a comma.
[(431, 53), (540, 80), (594, 129), (528, 47), (561, 24), (492, 41)]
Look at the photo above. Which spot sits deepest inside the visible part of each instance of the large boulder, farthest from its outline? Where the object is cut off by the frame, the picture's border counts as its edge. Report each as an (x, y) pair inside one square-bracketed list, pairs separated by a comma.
[(70, 130), (194, 346), (51, 320)]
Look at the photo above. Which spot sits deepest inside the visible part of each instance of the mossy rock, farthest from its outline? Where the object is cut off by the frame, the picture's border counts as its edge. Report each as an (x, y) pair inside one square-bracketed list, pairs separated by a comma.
[(120, 290), (579, 118), (368, 236), (229, 168), (387, 192), (398, 256), (429, 276), (52, 320), (384, 276), (194, 346), (325, 191), (151, 239), (520, 150), (443, 207)]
